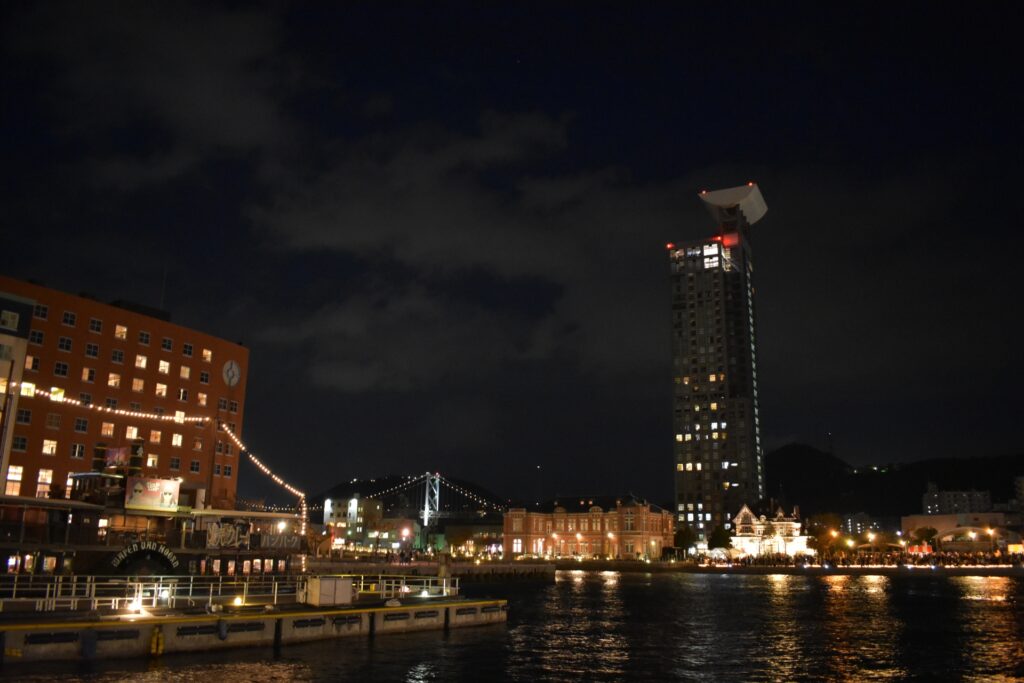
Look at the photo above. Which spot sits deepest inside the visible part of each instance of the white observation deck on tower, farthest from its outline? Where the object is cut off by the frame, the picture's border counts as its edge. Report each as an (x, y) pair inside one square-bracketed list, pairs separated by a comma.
[(746, 199)]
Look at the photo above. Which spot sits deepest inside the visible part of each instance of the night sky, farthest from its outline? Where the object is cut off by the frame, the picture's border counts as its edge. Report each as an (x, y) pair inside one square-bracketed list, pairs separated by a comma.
[(440, 229)]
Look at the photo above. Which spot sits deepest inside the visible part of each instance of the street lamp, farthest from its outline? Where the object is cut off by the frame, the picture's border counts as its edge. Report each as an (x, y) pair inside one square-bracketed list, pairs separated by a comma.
[(991, 539)]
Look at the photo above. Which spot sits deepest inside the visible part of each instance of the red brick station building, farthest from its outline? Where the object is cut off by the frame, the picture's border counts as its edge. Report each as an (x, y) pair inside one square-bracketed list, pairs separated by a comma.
[(589, 527)]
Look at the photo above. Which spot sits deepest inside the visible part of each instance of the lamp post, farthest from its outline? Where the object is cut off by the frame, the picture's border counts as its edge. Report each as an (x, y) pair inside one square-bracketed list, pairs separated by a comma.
[(991, 539)]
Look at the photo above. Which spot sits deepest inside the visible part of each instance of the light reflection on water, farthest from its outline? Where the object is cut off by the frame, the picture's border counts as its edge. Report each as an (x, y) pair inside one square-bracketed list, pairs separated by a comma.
[(997, 625), (607, 626)]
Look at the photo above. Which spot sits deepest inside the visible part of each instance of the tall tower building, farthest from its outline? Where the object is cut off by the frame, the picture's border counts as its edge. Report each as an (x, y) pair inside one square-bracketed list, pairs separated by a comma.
[(717, 436)]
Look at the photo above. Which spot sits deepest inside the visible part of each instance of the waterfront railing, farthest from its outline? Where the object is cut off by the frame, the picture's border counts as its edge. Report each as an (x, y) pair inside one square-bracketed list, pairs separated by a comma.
[(54, 593)]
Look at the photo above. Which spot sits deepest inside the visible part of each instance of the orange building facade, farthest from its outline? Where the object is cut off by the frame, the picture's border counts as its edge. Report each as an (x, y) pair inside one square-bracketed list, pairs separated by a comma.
[(107, 360), (612, 528)]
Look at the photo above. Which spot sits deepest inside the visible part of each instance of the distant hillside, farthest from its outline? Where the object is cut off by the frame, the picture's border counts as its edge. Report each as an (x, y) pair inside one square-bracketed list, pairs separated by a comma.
[(819, 482)]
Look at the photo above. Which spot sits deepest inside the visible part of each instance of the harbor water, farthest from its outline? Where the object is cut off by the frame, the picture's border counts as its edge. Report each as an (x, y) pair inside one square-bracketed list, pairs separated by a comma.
[(657, 627)]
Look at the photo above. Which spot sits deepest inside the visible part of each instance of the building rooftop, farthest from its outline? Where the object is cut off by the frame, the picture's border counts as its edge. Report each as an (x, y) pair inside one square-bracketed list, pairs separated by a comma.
[(584, 503), (746, 198)]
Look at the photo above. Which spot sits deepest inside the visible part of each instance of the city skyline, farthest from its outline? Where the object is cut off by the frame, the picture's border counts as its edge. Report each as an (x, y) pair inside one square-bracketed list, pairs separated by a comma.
[(441, 235)]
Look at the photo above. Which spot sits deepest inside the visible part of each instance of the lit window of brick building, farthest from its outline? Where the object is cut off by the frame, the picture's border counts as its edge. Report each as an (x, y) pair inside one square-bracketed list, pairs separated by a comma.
[(104, 354), (590, 527)]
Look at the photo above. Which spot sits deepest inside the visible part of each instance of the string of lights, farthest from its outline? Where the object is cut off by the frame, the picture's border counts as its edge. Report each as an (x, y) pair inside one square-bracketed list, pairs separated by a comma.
[(181, 418), (303, 508), (399, 487), (57, 395), (464, 492)]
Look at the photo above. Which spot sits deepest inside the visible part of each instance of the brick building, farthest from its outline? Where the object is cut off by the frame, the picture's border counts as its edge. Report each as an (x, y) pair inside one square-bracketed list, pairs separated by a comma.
[(109, 361), (608, 527)]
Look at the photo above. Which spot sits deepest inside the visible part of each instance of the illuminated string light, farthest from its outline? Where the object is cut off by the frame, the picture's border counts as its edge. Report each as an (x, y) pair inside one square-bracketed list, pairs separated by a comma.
[(399, 487), (181, 418), (60, 398), (303, 508)]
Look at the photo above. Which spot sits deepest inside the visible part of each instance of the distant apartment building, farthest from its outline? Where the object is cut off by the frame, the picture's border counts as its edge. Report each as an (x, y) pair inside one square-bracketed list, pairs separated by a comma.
[(936, 502), (859, 523), (351, 520), (91, 372), (585, 527), (719, 465)]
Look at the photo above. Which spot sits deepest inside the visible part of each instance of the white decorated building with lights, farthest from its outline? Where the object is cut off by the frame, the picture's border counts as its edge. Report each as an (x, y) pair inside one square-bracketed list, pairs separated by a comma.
[(761, 535)]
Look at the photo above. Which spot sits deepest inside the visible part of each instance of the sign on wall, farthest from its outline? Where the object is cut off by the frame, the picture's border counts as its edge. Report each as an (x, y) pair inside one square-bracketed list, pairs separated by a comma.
[(116, 457), (227, 535), (160, 495)]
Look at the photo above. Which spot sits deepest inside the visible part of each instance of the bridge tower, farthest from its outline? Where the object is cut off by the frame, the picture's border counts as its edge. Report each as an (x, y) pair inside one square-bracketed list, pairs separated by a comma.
[(432, 499)]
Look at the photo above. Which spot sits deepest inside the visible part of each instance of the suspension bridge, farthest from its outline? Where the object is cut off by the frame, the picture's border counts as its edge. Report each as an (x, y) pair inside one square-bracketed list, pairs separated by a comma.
[(428, 496)]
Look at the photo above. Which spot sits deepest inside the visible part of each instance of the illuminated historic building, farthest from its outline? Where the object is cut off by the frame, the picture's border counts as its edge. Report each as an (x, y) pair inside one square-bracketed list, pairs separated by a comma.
[(88, 372), (606, 527), (759, 535), (716, 426)]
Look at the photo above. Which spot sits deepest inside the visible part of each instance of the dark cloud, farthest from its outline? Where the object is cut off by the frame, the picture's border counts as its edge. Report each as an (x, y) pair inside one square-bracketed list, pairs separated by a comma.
[(157, 88), (445, 247)]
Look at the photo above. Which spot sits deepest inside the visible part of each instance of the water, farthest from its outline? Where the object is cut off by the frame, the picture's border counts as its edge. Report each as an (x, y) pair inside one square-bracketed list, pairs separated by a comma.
[(606, 626)]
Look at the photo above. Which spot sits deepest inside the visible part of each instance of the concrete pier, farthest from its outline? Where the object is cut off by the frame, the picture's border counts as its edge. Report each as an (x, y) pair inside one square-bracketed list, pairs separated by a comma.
[(65, 638)]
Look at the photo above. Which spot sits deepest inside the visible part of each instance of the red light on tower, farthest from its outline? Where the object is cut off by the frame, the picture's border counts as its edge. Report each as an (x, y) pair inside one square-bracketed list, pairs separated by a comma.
[(716, 238), (670, 245)]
